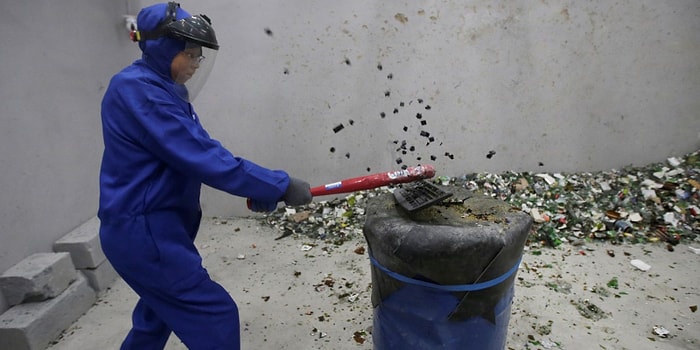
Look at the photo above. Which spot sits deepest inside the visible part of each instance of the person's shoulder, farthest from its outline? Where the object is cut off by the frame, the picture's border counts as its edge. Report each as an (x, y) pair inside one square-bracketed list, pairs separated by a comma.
[(138, 76), (133, 72)]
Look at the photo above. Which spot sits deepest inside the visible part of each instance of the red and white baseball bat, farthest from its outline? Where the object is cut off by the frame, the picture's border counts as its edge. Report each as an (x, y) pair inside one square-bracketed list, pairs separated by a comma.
[(373, 181)]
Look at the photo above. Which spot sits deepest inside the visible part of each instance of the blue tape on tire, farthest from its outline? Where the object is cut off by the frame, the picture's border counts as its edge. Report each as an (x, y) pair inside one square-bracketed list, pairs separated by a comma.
[(448, 288)]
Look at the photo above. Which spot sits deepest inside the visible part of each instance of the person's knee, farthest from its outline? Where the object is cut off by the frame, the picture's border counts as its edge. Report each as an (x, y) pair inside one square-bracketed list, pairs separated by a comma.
[(211, 320)]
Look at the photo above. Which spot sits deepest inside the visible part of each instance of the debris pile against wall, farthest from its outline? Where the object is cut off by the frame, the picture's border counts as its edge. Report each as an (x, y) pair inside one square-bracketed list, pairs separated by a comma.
[(652, 203), (657, 202)]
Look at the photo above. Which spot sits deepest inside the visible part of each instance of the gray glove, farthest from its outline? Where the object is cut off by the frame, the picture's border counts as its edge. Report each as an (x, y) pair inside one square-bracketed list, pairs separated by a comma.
[(298, 192)]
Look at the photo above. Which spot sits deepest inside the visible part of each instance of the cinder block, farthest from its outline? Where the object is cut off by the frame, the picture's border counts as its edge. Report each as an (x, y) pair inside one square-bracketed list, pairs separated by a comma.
[(3, 303), (102, 277), (38, 277), (32, 326), (83, 244)]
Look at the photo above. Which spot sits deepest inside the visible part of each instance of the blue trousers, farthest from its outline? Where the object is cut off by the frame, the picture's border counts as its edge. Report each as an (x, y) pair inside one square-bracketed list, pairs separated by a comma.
[(156, 256)]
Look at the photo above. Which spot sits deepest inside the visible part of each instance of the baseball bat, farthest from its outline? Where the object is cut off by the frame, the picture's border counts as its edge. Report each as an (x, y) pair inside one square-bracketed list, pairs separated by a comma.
[(372, 181)]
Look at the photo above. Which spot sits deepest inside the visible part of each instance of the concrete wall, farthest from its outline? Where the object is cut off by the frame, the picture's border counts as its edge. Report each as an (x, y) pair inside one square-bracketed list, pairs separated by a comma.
[(549, 86), (570, 85), (57, 58)]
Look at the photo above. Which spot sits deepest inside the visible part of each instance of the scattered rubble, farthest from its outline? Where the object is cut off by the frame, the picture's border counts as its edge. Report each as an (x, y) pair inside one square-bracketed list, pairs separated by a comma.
[(360, 337), (589, 310), (661, 331), (640, 265), (655, 203)]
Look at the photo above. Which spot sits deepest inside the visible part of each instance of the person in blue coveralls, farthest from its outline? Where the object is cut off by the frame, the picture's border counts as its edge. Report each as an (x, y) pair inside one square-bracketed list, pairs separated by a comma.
[(156, 157)]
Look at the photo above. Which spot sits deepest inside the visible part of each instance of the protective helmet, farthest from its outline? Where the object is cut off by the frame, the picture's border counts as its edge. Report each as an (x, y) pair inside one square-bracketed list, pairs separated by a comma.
[(195, 29), (189, 35)]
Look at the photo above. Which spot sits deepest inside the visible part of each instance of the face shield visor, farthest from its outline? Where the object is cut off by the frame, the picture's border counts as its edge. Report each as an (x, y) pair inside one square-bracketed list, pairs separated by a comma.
[(200, 51), (191, 67), (192, 70)]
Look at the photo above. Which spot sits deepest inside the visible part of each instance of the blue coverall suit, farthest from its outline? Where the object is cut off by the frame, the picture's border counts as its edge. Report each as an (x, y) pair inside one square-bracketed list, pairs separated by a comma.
[(156, 156)]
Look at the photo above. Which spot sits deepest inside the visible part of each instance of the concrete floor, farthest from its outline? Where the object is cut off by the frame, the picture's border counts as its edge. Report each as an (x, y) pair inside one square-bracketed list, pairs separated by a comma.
[(286, 301)]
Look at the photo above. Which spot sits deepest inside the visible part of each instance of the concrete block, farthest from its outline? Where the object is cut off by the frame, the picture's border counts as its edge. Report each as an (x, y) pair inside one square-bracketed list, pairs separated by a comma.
[(101, 277), (38, 277), (3, 303), (83, 244), (32, 326)]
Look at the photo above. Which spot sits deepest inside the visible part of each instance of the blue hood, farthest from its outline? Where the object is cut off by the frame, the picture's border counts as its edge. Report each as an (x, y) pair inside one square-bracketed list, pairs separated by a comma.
[(159, 53)]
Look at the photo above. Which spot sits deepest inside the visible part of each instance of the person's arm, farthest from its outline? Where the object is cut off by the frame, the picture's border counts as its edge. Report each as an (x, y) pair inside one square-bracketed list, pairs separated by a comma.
[(181, 142)]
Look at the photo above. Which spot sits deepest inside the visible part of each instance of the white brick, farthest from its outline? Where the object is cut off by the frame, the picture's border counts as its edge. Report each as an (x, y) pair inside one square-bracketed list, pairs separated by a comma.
[(3, 302), (38, 277), (83, 244), (32, 326), (101, 277)]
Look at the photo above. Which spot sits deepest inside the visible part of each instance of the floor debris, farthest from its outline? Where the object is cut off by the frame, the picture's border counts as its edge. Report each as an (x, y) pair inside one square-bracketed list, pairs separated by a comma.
[(658, 202), (576, 287)]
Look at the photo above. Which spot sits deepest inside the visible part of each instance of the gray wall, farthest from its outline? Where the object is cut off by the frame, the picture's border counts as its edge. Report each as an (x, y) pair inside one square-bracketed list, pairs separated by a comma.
[(571, 85), (57, 58)]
